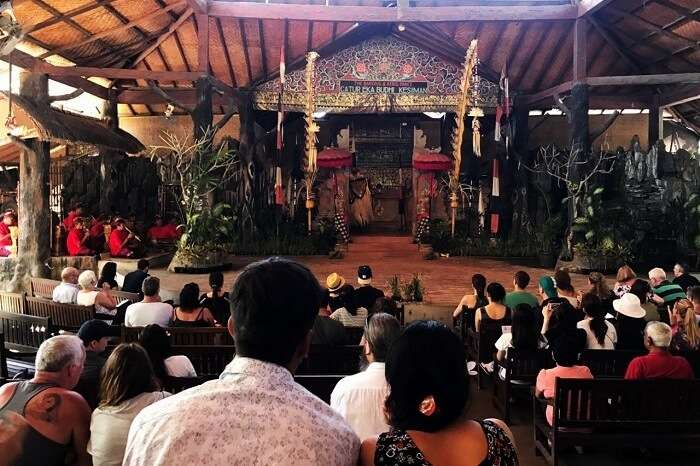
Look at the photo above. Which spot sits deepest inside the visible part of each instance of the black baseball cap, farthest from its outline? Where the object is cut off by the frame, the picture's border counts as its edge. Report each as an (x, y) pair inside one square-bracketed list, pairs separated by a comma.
[(364, 273), (93, 330)]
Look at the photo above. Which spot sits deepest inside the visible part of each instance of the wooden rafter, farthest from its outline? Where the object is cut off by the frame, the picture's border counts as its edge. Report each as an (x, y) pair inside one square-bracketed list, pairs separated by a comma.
[(588, 7), (645, 79), (681, 97), (163, 37), (263, 57), (63, 17), (202, 22), (199, 6), (227, 56), (515, 46), (115, 73), (109, 32), (654, 27), (361, 13), (146, 96), (550, 54), (614, 44), (517, 78), (244, 44)]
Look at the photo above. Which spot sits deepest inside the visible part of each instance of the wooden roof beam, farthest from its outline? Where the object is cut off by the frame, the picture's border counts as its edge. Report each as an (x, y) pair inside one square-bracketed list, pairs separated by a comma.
[(28, 62), (120, 29), (654, 27), (163, 37), (115, 73), (374, 14), (588, 7), (66, 16), (199, 6), (682, 97), (146, 96), (645, 79)]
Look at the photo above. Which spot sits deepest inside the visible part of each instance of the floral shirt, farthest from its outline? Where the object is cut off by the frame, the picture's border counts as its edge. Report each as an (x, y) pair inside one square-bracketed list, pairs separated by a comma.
[(255, 414)]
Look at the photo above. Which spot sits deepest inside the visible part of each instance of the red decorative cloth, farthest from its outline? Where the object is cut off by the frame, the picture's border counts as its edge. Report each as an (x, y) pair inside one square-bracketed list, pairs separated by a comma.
[(432, 161), (5, 239), (73, 243), (167, 232), (69, 221), (334, 157), (97, 229)]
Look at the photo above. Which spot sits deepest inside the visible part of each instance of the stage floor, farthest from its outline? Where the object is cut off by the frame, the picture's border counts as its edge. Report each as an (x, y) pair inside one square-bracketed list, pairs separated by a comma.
[(446, 279)]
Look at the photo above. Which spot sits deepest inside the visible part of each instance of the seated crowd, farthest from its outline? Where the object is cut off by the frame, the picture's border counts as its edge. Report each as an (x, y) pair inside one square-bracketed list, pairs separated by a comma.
[(406, 404)]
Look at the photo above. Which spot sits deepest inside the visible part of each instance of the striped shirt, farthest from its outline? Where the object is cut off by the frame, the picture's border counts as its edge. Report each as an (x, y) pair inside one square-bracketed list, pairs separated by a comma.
[(669, 292), (348, 320)]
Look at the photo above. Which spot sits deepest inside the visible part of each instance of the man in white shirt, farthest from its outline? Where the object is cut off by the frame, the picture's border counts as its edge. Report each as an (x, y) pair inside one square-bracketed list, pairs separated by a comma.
[(67, 291), (360, 398), (150, 310), (255, 413)]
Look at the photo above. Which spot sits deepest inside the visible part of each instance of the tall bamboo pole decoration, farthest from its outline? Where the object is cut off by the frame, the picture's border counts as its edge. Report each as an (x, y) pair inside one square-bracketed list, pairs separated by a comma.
[(311, 130), (470, 60)]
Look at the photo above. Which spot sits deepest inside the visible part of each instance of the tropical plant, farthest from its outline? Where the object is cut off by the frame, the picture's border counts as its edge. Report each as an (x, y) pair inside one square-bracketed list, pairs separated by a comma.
[(413, 290)]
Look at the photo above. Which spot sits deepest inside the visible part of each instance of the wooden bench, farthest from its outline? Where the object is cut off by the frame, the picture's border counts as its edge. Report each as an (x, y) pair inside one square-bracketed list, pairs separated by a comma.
[(521, 368), (63, 316), (480, 349), (43, 287), (208, 360), (12, 302), (320, 385), (23, 333), (608, 363), (618, 414), (185, 336), (353, 335), (4, 373), (326, 359), (123, 296)]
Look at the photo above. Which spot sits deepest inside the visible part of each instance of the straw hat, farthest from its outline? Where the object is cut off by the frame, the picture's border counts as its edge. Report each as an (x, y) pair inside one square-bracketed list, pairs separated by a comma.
[(630, 306), (334, 282)]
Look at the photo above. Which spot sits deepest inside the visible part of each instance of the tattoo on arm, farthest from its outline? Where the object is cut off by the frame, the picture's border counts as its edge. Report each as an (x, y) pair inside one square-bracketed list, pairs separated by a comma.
[(50, 403)]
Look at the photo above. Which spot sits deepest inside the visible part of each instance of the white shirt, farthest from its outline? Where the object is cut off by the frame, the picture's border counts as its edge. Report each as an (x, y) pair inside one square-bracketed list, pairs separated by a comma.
[(360, 399), (109, 428), (142, 314), (65, 293), (610, 335), (255, 414), (179, 366)]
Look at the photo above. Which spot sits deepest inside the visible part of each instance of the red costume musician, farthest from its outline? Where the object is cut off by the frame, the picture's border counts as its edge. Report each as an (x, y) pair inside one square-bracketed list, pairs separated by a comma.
[(77, 238), (8, 220), (74, 213), (97, 233), (163, 232), (119, 239)]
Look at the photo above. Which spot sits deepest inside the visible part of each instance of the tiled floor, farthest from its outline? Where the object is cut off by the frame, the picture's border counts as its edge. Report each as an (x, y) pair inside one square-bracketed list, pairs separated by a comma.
[(446, 279)]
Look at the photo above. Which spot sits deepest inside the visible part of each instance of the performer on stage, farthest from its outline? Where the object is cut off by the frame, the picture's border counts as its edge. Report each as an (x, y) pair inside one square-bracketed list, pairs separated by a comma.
[(360, 199), (121, 241), (8, 220), (78, 237), (97, 232), (75, 212), (163, 233)]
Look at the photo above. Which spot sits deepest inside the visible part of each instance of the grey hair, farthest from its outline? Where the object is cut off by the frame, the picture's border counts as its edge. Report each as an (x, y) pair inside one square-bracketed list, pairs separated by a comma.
[(87, 279), (657, 272), (660, 334), (150, 286), (58, 352), (67, 272), (381, 331)]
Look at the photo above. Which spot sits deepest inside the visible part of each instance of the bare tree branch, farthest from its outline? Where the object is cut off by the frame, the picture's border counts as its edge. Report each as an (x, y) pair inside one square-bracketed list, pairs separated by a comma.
[(72, 95), (169, 99)]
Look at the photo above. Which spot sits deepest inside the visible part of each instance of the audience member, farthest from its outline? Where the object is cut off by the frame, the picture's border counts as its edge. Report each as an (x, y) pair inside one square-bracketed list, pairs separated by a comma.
[(365, 294), (134, 279), (385, 305), (686, 333), (128, 385), (44, 422), (274, 304), (95, 335), (337, 298), (156, 342), (659, 363), (429, 389), (495, 314), (67, 291), (559, 318), (641, 289), (335, 283), (108, 275), (599, 287), (190, 313), (151, 310), (547, 291), (360, 398), (105, 304), (630, 322), (217, 300), (600, 333), (565, 352), (681, 272), (694, 296), (665, 292), (562, 280), (327, 331), (350, 315), (519, 295), (471, 302), (624, 280), (523, 334)]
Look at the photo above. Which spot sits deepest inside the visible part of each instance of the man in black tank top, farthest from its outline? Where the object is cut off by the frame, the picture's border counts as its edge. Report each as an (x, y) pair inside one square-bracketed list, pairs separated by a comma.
[(42, 420)]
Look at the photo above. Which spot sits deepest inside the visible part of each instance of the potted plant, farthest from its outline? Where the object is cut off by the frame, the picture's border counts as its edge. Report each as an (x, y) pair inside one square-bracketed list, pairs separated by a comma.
[(547, 238)]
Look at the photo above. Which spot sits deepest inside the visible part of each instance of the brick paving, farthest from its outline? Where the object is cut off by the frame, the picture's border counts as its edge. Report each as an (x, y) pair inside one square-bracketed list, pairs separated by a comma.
[(445, 279)]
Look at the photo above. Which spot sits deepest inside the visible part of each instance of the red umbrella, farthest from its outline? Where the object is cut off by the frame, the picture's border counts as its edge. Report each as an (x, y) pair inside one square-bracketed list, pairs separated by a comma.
[(333, 157), (432, 161)]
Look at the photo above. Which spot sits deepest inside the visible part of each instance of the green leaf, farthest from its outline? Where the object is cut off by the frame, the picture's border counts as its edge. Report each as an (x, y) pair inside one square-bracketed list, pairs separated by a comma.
[(590, 234), (598, 191)]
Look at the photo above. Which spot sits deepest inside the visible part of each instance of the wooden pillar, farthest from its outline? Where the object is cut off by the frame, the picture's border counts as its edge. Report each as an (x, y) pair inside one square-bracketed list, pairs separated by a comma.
[(578, 105), (34, 248), (202, 42), (521, 141), (203, 117), (109, 157), (655, 121), (247, 149)]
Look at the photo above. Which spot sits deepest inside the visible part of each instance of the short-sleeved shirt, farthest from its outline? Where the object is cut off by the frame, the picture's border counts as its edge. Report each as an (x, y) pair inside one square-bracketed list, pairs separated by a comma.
[(344, 317), (592, 342), (546, 380), (520, 297), (669, 292), (659, 365), (65, 293), (143, 314)]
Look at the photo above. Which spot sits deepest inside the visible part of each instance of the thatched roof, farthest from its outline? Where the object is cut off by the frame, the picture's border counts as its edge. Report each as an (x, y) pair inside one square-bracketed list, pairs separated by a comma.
[(56, 125)]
